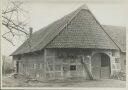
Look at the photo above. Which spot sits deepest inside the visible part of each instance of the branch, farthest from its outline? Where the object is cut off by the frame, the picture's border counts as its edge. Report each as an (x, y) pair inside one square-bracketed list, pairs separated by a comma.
[(7, 38), (17, 6), (12, 23), (5, 12), (14, 28), (10, 31)]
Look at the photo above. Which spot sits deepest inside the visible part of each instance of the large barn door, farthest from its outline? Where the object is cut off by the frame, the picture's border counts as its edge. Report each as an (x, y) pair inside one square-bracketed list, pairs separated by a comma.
[(96, 65), (100, 66)]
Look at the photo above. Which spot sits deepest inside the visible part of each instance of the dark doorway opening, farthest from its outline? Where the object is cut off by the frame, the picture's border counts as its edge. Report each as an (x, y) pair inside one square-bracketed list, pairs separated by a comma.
[(105, 60), (105, 66)]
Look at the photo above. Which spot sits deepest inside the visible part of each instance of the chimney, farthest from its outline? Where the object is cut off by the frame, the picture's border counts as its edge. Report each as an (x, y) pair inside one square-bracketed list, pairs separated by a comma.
[(30, 31)]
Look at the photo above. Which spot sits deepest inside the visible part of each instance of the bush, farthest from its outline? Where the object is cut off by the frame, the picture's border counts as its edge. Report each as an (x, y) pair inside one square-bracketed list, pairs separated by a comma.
[(7, 68), (119, 75), (7, 65)]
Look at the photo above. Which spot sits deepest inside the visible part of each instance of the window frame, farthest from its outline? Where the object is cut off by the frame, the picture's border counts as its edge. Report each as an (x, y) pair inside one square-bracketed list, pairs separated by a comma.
[(73, 68)]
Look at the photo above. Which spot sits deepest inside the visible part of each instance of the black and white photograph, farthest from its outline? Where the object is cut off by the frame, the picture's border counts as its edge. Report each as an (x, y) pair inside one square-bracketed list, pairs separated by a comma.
[(63, 44)]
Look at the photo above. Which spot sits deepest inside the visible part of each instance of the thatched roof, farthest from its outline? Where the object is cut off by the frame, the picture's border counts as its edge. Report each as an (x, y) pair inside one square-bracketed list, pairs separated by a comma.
[(79, 29)]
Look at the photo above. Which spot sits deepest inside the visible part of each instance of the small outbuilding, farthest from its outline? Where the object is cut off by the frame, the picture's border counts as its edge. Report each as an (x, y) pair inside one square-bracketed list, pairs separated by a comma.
[(76, 45)]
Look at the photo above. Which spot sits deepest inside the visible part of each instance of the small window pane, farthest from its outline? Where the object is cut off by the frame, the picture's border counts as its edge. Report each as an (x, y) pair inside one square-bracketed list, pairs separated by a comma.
[(73, 67)]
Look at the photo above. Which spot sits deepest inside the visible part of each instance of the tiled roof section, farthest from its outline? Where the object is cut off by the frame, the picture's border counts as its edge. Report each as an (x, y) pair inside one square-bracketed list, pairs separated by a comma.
[(82, 32), (78, 29), (118, 34), (45, 35)]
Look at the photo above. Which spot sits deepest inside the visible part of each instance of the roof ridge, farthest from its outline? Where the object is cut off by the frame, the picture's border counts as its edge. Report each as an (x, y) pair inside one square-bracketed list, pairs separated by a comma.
[(84, 6), (76, 12)]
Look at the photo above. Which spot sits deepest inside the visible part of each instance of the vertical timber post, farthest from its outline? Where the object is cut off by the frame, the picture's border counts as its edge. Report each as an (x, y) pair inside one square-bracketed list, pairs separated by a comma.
[(17, 66), (45, 63)]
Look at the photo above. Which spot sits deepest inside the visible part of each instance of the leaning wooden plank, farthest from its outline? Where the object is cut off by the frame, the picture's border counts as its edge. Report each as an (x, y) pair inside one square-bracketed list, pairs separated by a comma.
[(87, 70)]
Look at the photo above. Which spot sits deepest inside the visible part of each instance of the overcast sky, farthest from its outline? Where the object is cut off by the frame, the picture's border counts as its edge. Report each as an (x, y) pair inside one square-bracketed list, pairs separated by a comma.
[(43, 13)]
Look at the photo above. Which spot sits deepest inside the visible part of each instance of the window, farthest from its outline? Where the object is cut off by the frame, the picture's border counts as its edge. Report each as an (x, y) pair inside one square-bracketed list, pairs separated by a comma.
[(72, 67), (116, 60)]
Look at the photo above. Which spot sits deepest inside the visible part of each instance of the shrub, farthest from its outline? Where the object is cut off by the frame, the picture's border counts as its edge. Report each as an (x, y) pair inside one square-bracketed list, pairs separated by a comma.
[(119, 75), (7, 68)]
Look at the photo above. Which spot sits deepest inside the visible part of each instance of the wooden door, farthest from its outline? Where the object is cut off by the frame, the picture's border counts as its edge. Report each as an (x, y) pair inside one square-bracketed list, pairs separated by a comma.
[(105, 72), (96, 66)]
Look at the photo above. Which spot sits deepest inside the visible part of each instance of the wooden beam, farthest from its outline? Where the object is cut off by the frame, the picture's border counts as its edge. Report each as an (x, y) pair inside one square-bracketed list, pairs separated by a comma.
[(45, 63), (86, 69)]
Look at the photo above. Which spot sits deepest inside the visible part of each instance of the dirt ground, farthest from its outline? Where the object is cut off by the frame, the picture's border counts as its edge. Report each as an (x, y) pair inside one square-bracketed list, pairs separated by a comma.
[(11, 82)]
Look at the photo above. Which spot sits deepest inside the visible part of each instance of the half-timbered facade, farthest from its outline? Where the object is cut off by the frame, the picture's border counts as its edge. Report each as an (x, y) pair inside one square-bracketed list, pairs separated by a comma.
[(76, 45)]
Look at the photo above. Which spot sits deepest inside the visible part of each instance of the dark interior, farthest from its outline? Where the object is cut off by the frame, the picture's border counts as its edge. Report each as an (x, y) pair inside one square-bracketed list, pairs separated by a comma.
[(104, 60)]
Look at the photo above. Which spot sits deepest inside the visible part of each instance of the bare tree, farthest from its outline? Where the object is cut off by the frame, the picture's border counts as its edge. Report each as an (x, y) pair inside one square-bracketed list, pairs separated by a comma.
[(15, 20)]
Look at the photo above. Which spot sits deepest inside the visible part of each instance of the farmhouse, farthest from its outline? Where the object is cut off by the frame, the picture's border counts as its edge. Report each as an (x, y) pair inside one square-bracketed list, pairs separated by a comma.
[(76, 45)]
